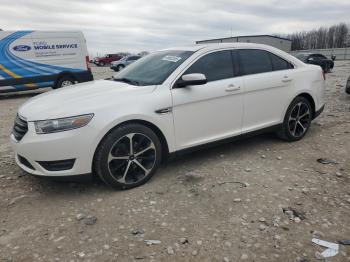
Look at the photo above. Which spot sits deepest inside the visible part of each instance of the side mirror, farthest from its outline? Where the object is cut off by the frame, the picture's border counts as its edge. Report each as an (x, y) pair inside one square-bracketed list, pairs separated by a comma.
[(191, 80), (333, 57), (310, 59)]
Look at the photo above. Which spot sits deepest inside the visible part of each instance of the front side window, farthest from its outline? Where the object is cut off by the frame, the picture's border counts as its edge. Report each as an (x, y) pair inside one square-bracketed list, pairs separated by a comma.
[(153, 69), (253, 61), (314, 57), (215, 66), (320, 57), (131, 58)]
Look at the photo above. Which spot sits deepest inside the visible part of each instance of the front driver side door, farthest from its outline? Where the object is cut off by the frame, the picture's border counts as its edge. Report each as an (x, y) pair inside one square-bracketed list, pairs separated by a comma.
[(209, 112)]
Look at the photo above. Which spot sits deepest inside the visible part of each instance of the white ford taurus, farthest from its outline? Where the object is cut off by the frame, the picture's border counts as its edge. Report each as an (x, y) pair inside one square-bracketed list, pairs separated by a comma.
[(169, 101)]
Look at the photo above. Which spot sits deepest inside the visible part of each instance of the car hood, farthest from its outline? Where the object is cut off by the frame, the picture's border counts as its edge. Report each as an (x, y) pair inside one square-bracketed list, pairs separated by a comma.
[(117, 62), (80, 99)]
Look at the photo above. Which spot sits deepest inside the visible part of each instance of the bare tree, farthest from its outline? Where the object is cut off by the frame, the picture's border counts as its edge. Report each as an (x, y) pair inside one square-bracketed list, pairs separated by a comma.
[(335, 36)]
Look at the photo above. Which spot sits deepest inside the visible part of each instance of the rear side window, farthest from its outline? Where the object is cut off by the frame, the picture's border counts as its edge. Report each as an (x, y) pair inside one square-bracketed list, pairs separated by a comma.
[(133, 58), (279, 63), (215, 66), (254, 61), (319, 57)]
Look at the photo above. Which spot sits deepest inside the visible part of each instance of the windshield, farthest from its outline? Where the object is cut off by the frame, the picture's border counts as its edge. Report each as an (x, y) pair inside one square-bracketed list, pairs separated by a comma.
[(301, 57), (153, 69)]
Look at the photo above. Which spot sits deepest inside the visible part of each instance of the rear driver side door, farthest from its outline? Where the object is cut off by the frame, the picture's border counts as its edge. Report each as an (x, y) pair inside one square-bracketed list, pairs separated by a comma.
[(209, 112)]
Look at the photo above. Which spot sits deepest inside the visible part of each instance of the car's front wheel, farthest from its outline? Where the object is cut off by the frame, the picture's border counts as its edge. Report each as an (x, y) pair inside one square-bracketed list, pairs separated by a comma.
[(297, 120), (128, 156)]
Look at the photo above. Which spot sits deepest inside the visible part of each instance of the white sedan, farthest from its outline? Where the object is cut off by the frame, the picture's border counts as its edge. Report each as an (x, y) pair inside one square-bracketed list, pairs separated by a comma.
[(170, 101)]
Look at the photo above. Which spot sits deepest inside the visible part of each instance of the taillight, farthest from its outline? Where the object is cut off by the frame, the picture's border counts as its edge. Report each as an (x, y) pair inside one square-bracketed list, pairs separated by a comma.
[(324, 75), (87, 62)]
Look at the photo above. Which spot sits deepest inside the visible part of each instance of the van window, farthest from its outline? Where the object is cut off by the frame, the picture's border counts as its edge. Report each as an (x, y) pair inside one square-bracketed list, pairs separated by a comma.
[(279, 63), (254, 61), (215, 66)]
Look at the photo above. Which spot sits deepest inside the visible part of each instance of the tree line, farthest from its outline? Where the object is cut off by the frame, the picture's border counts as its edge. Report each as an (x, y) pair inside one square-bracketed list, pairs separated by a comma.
[(335, 36)]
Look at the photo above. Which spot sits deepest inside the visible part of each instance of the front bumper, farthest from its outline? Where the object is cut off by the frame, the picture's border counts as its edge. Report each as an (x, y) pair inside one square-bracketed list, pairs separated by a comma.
[(33, 150)]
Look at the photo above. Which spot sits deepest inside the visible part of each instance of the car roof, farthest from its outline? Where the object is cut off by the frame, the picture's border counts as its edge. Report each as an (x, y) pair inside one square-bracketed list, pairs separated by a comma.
[(214, 46), (203, 48), (307, 54)]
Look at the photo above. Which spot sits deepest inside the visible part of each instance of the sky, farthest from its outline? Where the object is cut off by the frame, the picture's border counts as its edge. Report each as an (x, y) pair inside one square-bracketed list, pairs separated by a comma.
[(134, 25)]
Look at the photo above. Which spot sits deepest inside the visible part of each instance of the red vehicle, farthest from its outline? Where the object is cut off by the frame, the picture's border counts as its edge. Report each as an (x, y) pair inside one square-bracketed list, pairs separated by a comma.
[(107, 59)]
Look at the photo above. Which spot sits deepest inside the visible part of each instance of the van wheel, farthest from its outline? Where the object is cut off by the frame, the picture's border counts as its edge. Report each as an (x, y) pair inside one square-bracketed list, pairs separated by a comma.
[(297, 120), (64, 81), (128, 156), (101, 64)]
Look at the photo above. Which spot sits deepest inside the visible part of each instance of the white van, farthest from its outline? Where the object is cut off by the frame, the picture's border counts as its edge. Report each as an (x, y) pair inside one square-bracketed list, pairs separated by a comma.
[(35, 59)]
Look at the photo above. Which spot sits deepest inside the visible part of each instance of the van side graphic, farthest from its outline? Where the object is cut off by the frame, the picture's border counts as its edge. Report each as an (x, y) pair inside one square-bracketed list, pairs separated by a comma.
[(40, 69)]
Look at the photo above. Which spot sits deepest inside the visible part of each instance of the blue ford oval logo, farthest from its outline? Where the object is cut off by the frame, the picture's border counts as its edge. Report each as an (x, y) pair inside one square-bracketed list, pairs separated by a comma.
[(22, 48)]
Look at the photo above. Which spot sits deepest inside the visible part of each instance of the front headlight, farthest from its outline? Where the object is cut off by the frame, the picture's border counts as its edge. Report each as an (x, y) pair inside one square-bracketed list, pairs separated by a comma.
[(61, 124)]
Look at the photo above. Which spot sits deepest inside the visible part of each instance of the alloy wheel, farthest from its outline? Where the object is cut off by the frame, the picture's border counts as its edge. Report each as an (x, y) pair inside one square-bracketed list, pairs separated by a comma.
[(131, 158), (66, 83), (299, 120)]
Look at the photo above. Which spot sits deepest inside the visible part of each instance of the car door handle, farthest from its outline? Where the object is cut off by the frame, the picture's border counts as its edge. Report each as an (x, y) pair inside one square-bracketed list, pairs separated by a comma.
[(232, 88), (286, 79)]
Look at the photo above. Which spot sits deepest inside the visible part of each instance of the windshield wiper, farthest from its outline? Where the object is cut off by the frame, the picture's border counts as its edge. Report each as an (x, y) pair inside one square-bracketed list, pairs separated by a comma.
[(127, 80)]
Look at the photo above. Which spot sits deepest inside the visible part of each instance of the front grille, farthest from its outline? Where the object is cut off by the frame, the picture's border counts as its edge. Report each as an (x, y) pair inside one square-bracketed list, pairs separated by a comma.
[(20, 128), (25, 162), (58, 165)]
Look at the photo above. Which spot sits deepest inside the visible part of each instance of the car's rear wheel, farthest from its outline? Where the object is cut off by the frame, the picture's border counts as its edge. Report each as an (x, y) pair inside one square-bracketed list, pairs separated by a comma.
[(128, 156), (297, 120)]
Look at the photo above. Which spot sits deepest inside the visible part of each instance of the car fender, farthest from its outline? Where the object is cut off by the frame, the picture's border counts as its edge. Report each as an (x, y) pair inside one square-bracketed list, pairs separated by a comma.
[(166, 131), (300, 92)]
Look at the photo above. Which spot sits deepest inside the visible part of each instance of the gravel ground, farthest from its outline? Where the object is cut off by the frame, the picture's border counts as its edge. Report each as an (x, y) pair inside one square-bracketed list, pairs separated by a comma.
[(221, 204)]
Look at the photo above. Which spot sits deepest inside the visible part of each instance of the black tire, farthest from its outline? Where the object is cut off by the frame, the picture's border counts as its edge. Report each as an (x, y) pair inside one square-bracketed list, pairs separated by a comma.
[(101, 64), (327, 68), (126, 171), (64, 81), (296, 123), (120, 67)]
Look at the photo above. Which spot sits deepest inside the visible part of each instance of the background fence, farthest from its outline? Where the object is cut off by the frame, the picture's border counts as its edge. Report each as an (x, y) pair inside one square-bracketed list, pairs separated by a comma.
[(340, 53)]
